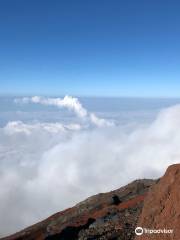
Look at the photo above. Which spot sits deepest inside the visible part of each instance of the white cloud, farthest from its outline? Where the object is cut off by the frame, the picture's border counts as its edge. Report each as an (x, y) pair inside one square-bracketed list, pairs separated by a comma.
[(45, 167), (20, 127), (100, 122), (70, 103)]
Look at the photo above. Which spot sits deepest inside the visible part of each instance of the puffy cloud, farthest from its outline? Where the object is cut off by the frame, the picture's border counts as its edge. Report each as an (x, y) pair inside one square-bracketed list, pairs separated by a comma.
[(20, 127), (100, 122), (70, 103), (45, 167)]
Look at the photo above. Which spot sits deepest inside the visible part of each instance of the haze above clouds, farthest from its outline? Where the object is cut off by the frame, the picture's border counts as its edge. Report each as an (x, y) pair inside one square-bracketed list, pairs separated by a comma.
[(48, 166)]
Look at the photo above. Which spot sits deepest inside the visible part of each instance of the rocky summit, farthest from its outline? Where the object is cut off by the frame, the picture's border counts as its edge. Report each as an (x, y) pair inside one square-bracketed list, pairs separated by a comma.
[(153, 205)]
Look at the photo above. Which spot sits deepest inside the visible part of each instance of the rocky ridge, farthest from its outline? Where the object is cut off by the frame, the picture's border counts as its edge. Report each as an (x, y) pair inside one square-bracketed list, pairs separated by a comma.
[(112, 215), (149, 204)]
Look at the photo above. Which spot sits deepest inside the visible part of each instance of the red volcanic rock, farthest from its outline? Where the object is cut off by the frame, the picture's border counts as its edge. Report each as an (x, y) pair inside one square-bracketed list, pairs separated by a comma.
[(162, 207), (112, 215)]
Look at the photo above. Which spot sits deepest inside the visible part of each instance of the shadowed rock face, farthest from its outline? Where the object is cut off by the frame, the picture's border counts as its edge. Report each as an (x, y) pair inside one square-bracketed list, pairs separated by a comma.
[(112, 215), (162, 207)]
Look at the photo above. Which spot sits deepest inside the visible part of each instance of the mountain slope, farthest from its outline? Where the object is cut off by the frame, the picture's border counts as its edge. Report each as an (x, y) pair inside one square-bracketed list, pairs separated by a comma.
[(149, 204), (162, 207), (112, 215)]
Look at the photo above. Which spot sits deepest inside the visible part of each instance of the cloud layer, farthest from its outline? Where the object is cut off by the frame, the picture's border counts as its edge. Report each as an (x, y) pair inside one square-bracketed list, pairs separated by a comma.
[(45, 167)]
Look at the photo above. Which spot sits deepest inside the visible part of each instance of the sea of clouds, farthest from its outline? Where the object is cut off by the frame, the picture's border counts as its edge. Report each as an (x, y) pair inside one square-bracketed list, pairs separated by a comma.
[(48, 166)]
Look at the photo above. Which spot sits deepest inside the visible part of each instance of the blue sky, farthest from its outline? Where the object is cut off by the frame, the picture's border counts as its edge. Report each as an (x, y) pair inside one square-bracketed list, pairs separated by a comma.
[(90, 48)]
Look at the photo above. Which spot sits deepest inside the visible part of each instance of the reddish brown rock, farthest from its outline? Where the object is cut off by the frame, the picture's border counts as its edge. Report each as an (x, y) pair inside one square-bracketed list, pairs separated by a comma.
[(162, 207), (112, 215)]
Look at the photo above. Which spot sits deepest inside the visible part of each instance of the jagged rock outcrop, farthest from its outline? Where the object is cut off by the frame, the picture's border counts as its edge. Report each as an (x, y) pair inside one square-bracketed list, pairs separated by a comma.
[(162, 208), (112, 215)]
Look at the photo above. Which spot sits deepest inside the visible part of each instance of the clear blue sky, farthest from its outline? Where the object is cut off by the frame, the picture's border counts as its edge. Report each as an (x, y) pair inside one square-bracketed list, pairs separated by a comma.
[(90, 47)]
